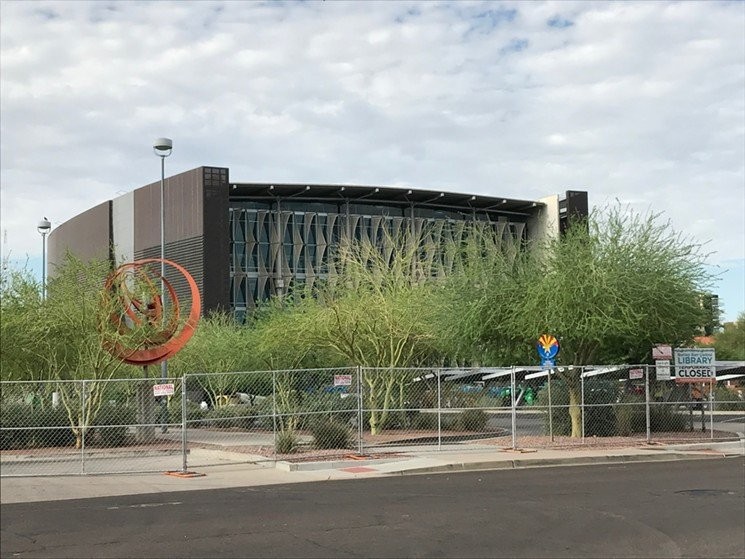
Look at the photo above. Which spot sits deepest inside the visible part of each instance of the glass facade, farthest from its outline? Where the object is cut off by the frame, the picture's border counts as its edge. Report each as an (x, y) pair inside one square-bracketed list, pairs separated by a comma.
[(280, 244)]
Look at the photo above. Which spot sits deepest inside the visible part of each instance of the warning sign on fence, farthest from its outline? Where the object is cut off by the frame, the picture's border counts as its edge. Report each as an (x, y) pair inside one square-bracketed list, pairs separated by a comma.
[(342, 380), (163, 390)]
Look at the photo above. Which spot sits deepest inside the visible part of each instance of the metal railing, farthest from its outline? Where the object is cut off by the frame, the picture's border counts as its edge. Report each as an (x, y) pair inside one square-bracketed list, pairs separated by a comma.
[(118, 426)]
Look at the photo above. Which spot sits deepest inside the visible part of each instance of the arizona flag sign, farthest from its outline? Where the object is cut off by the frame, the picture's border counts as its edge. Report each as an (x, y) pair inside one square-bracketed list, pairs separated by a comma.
[(548, 349)]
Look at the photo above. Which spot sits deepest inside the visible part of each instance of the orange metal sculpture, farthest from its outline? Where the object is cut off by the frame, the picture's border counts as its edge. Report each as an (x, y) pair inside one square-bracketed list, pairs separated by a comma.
[(161, 339)]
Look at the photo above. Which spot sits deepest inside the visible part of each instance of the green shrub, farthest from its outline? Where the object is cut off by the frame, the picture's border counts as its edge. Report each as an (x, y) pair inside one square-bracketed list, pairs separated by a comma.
[(226, 417), (12, 418), (727, 400), (112, 425), (25, 426), (599, 414), (472, 420), (450, 422), (55, 431), (664, 418), (425, 421), (287, 442), (631, 415), (341, 409), (328, 433), (264, 415), (560, 420), (194, 413), (392, 420)]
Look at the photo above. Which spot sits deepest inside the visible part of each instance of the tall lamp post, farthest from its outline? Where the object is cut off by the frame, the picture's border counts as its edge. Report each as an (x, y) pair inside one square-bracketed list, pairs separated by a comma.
[(162, 147), (44, 227)]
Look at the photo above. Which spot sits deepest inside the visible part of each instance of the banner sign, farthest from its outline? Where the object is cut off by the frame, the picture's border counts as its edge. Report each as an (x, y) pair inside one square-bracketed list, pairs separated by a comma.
[(695, 364)]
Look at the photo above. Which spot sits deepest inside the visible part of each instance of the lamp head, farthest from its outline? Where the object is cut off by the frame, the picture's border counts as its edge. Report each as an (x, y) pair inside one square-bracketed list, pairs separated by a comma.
[(44, 226), (163, 146)]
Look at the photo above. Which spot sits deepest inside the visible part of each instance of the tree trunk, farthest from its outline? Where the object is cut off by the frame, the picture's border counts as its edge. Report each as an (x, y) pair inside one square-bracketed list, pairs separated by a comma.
[(145, 412), (372, 404), (575, 411)]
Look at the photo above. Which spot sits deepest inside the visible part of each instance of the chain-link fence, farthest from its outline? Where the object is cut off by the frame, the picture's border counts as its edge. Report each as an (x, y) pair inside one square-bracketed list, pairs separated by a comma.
[(83, 427), (140, 425)]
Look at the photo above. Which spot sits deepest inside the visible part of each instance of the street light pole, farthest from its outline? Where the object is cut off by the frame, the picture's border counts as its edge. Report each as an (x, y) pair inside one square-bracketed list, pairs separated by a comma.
[(43, 228), (162, 147)]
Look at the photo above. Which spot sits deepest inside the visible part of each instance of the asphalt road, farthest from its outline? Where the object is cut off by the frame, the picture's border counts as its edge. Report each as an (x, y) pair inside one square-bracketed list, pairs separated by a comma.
[(673, 509)]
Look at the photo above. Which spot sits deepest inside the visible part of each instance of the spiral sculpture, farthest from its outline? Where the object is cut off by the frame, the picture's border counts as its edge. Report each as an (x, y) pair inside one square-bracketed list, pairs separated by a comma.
[(138, 311)]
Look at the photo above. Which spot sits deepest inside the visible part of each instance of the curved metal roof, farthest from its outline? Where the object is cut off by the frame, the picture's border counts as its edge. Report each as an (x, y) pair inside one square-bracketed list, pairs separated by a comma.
[(383, 194)]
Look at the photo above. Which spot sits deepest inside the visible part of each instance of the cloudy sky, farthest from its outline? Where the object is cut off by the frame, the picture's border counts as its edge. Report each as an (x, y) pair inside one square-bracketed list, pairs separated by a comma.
[(643, 102)]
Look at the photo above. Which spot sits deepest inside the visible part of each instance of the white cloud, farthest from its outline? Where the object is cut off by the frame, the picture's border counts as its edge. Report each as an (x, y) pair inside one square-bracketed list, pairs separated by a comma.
[(641, 101)]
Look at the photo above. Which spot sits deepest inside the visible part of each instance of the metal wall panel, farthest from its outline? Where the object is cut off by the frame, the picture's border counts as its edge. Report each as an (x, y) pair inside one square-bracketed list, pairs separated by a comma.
[(184, 210), (87, 236), (122, 225)]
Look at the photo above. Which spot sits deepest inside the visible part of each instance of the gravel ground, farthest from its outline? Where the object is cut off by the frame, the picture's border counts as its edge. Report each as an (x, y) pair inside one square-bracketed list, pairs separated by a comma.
[(377, 444), (307, 453)]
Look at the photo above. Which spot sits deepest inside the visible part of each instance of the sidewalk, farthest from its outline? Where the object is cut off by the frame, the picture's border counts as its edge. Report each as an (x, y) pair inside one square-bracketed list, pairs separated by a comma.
[(30, 489)]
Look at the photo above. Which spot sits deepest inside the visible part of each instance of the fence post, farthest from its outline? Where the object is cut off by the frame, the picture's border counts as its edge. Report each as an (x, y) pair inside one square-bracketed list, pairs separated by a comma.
[(439, 410), (183, 422), (82, 430), (550, 412), (274, 412), (712, 385), (514, 408), (646, 399), (360, 444), (582, 401)]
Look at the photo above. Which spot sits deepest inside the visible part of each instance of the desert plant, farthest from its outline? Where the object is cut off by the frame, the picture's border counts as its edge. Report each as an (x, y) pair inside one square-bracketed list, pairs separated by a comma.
[(663, 418), (287, 442), (332, 405), (599, 416), (425, 421), (728, 400), (24, 426), (226, 417), (54, 428), (328, 433), (194, 413), (631, 415), (112, 425), (13, 418)]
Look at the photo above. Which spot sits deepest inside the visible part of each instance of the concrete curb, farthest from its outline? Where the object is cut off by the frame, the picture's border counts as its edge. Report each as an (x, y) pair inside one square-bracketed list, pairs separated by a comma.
[(552, 462), (332, 465)]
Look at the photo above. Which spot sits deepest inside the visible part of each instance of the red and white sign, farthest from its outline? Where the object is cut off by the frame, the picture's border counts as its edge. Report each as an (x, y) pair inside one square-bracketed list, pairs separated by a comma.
[(662, 352), (342, 380), (636, 374), (163, 390)]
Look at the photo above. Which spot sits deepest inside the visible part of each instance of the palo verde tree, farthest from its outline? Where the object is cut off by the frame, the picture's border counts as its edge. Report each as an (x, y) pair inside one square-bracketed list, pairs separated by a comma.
[(66, 336), (280, 342), (379, 313), (479, 295), (608, 289), (730, 342), (219, 348), (20, 301)]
